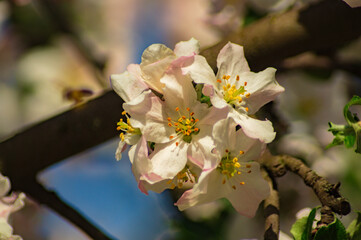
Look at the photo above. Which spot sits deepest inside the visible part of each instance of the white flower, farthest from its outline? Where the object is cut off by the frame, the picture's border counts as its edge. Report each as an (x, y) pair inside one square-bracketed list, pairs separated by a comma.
[(239, 88), (231, 176), (180, 126), (156, 59), (8, 205)]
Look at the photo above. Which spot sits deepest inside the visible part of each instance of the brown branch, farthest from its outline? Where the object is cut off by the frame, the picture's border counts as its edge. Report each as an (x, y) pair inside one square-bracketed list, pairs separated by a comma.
[(327, 193), (271, 209), (318, 27), (85, 126), (51, 200)]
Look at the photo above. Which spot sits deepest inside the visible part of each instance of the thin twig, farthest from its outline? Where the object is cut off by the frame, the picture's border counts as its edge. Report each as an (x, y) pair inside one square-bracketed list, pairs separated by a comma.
[(327, 193), (271, 209), (51, 200)]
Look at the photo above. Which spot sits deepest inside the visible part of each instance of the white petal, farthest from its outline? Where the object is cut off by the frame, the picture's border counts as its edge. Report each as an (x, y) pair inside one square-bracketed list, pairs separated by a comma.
[(147, 113), (200, 71), (187, 48), (178, 90), (139, 158), (247, 197), (121, 148), (4, 185), (263, 88), (254, 128), (127, 86), (208, 189), (200, 151), (155, 61), (155, 53), (231, 60), (168, 159)]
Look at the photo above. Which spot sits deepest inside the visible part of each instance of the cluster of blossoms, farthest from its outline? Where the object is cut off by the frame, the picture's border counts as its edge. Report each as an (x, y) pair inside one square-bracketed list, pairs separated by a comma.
[(189, 128), (8, 205)]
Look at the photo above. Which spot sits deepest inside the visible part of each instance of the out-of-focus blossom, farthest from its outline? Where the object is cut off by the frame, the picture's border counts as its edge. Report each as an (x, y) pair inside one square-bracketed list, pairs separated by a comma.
[(194, 15), (232, 175), (8, 205), (235, 86), (353, 3), (43, 88), (226, 15), (9, 112)]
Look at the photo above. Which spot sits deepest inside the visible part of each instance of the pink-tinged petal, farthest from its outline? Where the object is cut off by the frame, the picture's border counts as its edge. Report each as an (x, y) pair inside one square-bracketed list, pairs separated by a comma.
[(155, 61), (127, 86), (262, 87), (200, 71), (231, 60), (168, 159), (200, 151), (121, 148), (226, 137), (155, 53), (209, 188), (247, 197), (178, 90), (254, 128), (138, 156), (213, 115), (157, 186), (187, 48), (252, 148), (147, 113), (181, 62), (11, 204)]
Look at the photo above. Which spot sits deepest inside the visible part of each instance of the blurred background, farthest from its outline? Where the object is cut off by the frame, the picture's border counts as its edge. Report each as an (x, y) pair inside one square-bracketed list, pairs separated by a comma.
[(55, 53)]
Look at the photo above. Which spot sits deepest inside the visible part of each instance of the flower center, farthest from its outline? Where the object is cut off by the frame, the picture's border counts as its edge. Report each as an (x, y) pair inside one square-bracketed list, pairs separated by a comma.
[(126, 128), (184, 176), (184, 126), (231, 94), (229, 167)]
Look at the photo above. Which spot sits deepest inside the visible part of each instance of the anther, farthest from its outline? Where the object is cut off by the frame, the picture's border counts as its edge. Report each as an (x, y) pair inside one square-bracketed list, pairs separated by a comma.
[(237, 77), (245, 83), (124, 112), (241, 183), (219, 80), (234, 187)]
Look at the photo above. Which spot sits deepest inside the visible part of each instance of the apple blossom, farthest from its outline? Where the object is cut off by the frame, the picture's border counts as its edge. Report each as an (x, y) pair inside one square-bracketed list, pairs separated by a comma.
[(230, 174), (180, 126), (156, 59), (239, 88), (8, 205)]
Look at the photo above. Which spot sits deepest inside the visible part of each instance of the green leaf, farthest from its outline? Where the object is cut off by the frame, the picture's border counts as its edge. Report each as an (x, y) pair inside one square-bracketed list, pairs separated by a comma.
[(354, 229), (301, 229), (351, 118), (334, 231)]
